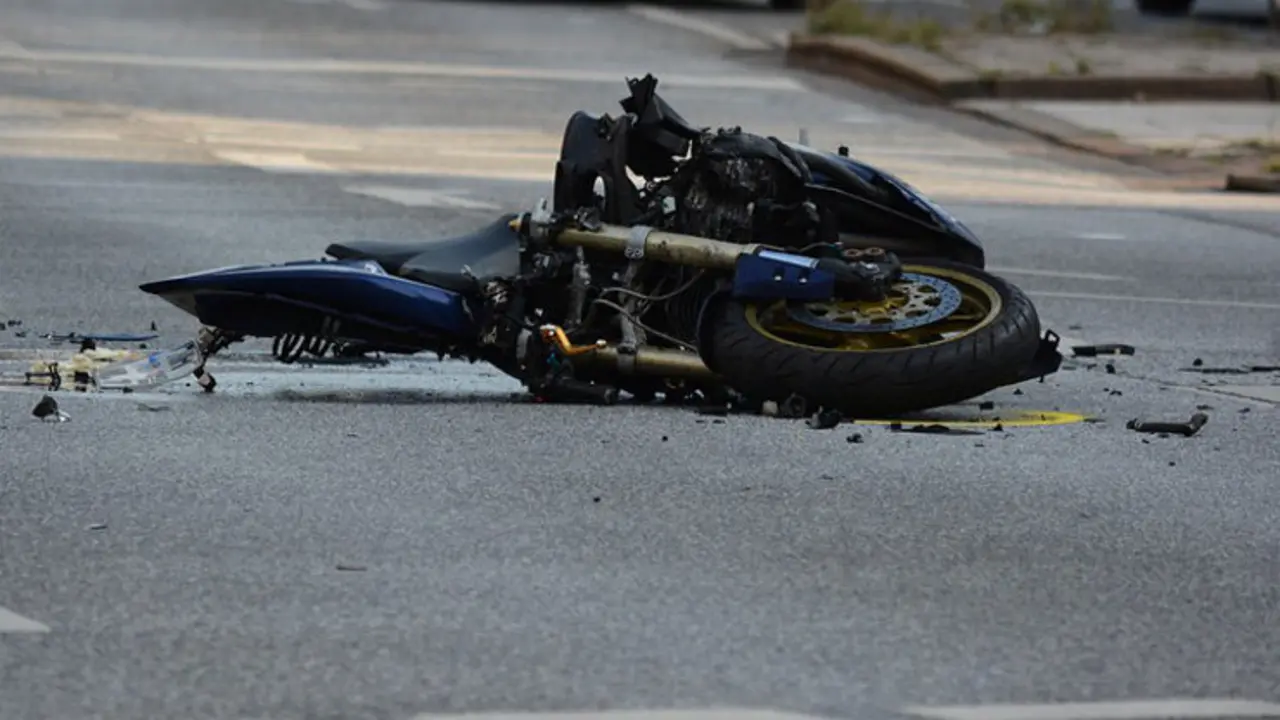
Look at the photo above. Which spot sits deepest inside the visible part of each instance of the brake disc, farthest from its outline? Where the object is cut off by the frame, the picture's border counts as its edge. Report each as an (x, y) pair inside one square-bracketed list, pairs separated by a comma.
[(914, 301)]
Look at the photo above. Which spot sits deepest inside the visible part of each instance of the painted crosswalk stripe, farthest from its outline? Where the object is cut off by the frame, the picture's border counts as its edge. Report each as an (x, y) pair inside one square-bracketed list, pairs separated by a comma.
[(1106, 710), (12, 622)]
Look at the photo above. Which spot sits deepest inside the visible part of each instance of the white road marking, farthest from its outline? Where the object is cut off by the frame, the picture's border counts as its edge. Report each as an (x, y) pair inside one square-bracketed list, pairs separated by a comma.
[(1112, 710), (706, 28), (420, 197), (717, 714), (1066, 274), (12, 622), (319, 66), (1157, 300), (275, 162), (35, 133), (354, 4), (1266, 393)]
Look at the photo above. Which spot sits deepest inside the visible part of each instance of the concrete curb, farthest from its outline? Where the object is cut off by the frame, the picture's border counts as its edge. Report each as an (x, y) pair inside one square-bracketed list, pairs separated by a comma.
[(1254, 183), (905, 68), (1065, 134)]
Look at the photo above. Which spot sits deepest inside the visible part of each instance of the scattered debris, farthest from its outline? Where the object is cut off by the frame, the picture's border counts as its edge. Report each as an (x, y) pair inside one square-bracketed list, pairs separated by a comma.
[(824, 419), (48, 408), (595, 499), (1104, 349), (986, 405), (1247, 370), (1017, 391), (933, 429), (664, 438), (854, 438), (99, 337), (1164, 429), (793, 407), (351, 568), (98, 526)]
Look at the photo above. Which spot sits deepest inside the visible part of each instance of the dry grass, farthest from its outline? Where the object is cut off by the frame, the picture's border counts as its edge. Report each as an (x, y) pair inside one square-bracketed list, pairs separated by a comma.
[(851, 17), (1048, 16)]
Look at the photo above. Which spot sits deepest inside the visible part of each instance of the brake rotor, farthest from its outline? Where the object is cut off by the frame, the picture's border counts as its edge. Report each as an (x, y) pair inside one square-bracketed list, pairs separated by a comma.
[(914, 301)]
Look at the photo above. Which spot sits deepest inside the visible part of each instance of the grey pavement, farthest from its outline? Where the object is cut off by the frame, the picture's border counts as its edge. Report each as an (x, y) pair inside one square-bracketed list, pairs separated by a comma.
[(182, 550)]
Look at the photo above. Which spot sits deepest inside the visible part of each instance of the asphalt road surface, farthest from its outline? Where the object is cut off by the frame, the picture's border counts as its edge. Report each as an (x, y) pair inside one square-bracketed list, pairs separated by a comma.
[(181, 555)]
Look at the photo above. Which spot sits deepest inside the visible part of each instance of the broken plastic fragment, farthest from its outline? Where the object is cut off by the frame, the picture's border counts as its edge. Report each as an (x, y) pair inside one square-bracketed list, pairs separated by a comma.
[(1104, 349), (48, 408), (824, 419), (1186, 429), (153, 369)]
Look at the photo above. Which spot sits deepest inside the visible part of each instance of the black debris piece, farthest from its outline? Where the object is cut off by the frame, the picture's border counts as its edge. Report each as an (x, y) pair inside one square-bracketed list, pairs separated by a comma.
[(152, 408), (999, 427), (88, 344), (665, 438), (1204, 407), (936, 429), (1172, 464), (1075, 327), (793, 407), (153, 326), (1017, 391), (1264, 368), (46, 408), (1244, 410), (1217, 370), (1197, 362), (854, 438), (1104, 349), (824, 419), (98, 526), (986, 405), (1186, 429), (718, 421), (1116, 392), (344, 567), (1111, 369), (595, 499)]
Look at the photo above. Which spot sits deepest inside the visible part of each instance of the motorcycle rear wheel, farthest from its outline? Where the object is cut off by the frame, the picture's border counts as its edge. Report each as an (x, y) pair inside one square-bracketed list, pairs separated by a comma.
[(772, 350)]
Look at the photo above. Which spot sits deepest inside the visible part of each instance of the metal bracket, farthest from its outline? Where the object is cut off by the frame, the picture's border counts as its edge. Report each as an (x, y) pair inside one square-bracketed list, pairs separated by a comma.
[(635, 242)]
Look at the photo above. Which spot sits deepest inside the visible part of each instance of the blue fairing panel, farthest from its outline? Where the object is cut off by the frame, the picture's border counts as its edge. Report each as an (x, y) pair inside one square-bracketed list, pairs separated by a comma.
[(352, 300), (946, 222), (768, 275)]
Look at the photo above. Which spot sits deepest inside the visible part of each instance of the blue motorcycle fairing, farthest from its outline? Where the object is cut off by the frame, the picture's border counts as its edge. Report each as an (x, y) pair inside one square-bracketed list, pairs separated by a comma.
[(354, 300), (769, 274), (971, 250)]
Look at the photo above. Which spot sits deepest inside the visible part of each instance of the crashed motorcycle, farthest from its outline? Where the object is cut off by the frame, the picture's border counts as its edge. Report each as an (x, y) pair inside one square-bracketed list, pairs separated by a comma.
[(733, 267)]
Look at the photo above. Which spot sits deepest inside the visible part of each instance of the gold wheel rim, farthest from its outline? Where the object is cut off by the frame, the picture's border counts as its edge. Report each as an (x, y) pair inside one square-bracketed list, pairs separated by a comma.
[(980, 305)]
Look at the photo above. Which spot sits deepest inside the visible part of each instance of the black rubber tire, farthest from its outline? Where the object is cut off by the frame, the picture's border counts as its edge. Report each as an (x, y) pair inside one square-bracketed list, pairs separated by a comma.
[(881, 384), (1165, 7)]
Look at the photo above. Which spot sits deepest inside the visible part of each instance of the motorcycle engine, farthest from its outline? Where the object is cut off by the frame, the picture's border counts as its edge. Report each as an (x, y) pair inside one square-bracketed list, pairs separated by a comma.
[(740, 188)]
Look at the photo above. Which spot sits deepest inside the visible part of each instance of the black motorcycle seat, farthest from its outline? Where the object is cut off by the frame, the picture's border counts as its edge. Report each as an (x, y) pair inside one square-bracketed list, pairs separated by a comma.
[(489, 251)]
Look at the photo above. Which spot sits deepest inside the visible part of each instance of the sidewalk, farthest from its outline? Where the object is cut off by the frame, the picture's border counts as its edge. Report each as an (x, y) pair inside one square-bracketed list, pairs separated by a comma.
[(1188, 100), (1201, 141)]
